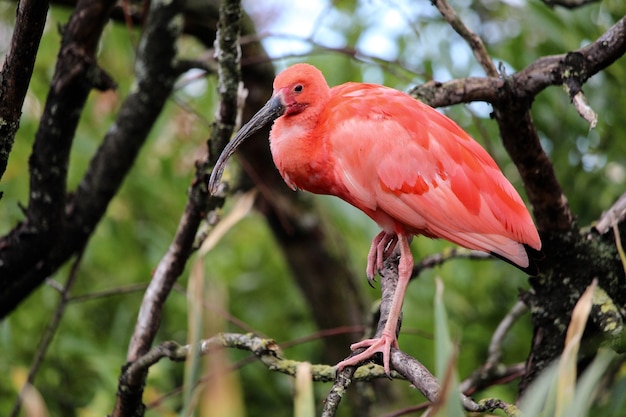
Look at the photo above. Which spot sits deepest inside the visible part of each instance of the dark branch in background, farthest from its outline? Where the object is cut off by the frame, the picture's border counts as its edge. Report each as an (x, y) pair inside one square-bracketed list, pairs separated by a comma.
[(133, 378), (111, 163), (570, 4), (17, 70), (75, 74)]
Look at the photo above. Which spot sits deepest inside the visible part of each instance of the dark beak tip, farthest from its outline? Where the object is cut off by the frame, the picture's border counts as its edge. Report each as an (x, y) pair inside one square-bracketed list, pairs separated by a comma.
[(273, 109), (214, 185)]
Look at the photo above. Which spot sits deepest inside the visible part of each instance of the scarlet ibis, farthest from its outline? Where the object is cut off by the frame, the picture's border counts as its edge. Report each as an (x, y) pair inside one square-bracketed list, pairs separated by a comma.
[(407, 166)]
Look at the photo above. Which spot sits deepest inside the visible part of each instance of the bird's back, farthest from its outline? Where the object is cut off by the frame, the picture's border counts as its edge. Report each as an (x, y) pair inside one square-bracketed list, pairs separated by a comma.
[(411, 168)]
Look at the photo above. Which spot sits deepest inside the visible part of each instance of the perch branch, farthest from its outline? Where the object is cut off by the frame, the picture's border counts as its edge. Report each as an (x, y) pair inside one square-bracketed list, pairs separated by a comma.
[(389, 282), (403, 364)]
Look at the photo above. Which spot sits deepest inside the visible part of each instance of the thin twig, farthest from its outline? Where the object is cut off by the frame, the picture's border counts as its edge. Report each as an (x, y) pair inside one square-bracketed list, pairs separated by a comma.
[(615, 214), (495, 346), (140, 287), (474, 41), (390, 66), (489, 370), (49, 332), (442, 257)]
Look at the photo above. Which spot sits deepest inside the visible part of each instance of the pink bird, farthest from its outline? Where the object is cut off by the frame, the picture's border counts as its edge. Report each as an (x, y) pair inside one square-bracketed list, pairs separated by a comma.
[(408, 167)]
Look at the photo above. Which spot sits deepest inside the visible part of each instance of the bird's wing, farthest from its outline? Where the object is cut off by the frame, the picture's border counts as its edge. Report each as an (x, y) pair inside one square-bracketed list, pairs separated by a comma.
[(399, 158)]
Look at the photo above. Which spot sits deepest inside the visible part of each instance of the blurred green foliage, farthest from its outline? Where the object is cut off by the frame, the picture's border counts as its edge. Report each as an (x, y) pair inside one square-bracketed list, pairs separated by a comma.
[(79, 374)]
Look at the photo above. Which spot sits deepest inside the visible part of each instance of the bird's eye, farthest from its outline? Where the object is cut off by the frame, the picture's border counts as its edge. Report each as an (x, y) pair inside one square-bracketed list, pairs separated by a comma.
[(298, 88)]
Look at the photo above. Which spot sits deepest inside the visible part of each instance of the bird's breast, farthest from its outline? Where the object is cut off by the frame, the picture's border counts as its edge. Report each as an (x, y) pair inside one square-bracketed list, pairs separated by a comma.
[(301, 158)]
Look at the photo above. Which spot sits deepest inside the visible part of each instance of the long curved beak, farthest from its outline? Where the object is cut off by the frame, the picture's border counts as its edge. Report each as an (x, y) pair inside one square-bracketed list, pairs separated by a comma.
[(271, 111)]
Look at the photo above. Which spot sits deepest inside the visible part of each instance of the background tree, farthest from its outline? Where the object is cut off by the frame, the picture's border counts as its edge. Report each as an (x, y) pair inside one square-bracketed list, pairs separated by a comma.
[(104, 199)]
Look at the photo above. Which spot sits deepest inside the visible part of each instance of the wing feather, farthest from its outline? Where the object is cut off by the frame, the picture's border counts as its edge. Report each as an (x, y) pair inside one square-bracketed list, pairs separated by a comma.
[(407, 165)]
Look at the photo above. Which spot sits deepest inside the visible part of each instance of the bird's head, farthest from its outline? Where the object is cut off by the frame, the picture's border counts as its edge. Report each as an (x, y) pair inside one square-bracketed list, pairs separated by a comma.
[(296, 89), (300, 86)]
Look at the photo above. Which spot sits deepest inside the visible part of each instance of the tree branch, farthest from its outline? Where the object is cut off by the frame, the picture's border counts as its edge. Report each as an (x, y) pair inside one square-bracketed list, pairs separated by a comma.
[(130, 392), (614, 215), (74, 76), (17, 70), (565, 269), (512, 97), (530, 81)]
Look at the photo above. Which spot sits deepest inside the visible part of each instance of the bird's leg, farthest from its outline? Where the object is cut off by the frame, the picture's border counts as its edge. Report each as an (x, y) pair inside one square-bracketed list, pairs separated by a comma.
[(388, 338), (382, 245)]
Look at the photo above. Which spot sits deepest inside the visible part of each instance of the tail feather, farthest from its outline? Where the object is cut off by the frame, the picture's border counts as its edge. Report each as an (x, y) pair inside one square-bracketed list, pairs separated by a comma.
[(534, 256)]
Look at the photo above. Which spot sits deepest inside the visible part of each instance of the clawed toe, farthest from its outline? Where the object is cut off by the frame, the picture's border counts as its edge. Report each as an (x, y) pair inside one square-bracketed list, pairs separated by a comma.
[(381, 345)]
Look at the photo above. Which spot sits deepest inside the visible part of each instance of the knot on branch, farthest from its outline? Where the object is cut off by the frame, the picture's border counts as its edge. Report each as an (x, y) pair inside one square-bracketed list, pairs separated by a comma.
[(262, 346), (575, 69), (575, 73)]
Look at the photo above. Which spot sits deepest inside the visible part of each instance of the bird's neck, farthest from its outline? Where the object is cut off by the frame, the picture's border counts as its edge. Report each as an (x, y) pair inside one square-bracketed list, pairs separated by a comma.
[(300, 154)]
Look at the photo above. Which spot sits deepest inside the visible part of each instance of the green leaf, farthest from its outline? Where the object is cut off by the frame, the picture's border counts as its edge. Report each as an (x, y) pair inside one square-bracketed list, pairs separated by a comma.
[(449, 403)]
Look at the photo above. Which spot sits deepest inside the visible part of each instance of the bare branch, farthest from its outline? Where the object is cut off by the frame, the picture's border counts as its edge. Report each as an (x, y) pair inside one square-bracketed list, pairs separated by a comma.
[(265, 350), (388, 284), (407, 366)]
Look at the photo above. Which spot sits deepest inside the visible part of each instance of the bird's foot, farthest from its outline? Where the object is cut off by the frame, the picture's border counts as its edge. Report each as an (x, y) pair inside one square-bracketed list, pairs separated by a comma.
[(381, 345), (383, 244)]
